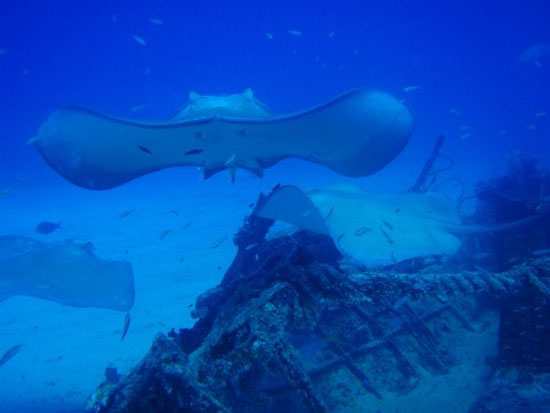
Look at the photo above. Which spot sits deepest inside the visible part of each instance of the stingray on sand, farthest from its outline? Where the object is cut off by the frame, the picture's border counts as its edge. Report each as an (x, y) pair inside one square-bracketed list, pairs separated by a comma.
[(355, 134), (64, 272)]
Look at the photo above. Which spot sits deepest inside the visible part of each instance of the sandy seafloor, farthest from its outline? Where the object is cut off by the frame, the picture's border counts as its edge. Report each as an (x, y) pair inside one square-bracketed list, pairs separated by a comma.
[(65, 350)]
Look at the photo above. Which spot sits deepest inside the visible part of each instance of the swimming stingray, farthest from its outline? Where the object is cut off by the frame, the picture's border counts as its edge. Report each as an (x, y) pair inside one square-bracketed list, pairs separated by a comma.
[(64, 272), (376, 230), (355, 134), (536, 53)]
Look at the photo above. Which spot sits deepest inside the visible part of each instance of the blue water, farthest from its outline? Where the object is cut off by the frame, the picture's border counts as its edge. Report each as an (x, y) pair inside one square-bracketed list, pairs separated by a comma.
[(462, 56)]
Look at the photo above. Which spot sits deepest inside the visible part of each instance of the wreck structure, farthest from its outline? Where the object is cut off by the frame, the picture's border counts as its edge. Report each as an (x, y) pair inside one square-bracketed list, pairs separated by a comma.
[(291, 328)]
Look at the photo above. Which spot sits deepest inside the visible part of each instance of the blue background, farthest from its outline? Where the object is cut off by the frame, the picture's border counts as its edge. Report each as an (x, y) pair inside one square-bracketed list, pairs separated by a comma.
[(463, 55)]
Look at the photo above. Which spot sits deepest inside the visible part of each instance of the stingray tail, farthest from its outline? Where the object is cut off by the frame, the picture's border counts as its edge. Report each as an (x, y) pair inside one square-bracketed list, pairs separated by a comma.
[(520, 224)]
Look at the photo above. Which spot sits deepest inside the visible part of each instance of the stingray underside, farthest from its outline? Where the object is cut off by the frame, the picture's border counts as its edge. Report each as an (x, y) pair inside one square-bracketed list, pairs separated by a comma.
[(355, 134)]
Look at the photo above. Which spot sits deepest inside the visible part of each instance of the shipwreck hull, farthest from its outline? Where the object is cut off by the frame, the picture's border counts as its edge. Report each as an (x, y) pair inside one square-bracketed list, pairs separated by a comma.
[(289, 330)]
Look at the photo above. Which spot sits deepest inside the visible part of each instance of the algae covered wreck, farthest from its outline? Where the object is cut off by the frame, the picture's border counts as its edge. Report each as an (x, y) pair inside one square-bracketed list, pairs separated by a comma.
[(291, 328)]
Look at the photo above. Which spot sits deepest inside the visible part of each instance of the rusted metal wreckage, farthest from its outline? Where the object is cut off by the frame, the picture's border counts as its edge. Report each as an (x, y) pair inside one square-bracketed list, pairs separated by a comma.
[(292, 328), (289, 329)]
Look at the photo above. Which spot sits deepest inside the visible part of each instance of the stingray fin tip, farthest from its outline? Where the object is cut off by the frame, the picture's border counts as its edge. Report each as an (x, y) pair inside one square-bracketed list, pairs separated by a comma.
[(33, 140)]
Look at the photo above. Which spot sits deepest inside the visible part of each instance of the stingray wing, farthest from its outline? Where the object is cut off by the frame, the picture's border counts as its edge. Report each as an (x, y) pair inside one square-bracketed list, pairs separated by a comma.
[(375, 230), (355, 134), (67, 273), (290, 204)]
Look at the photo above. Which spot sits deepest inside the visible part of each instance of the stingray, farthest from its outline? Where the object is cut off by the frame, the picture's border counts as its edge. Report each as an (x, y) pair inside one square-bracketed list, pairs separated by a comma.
[(377, 230), (65, 272), (354, 134), (535, 53)]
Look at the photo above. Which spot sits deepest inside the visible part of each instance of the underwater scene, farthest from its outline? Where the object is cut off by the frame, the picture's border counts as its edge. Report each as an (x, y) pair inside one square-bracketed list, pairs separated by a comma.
[(290, 206)]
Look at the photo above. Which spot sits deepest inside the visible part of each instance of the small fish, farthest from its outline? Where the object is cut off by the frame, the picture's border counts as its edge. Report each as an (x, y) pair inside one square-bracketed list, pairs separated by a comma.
[(43, 285), (137, 108), (455, 111), (182, 258), (230, 161), (387, 224), (124, 214), (148, 70), (295, 32), (465, 136), (3, 51), (531, 126), (194, 152), (47, 227), (355, 53), (176, 213), (329, 214), (465, 127), (56, 359), (331, 35), (126, 326), (186, 225), (114, 18), (232, 172), (9, 353), (540, 114), (388, 238), (342, 235), (164, 234), (409, 89), (145, 149), (139, 40), (158, 22), (251, 246), (22, 177), (218, 242), (269, 36), (362, 231)]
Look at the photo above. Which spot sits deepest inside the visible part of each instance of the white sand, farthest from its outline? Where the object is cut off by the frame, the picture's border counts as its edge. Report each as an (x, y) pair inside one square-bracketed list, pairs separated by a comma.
[(65, 350)]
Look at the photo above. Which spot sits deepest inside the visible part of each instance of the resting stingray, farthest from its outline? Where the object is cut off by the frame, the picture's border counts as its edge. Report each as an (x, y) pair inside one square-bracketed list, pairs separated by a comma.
[(67, 273), (376, 230), (355, 134)]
